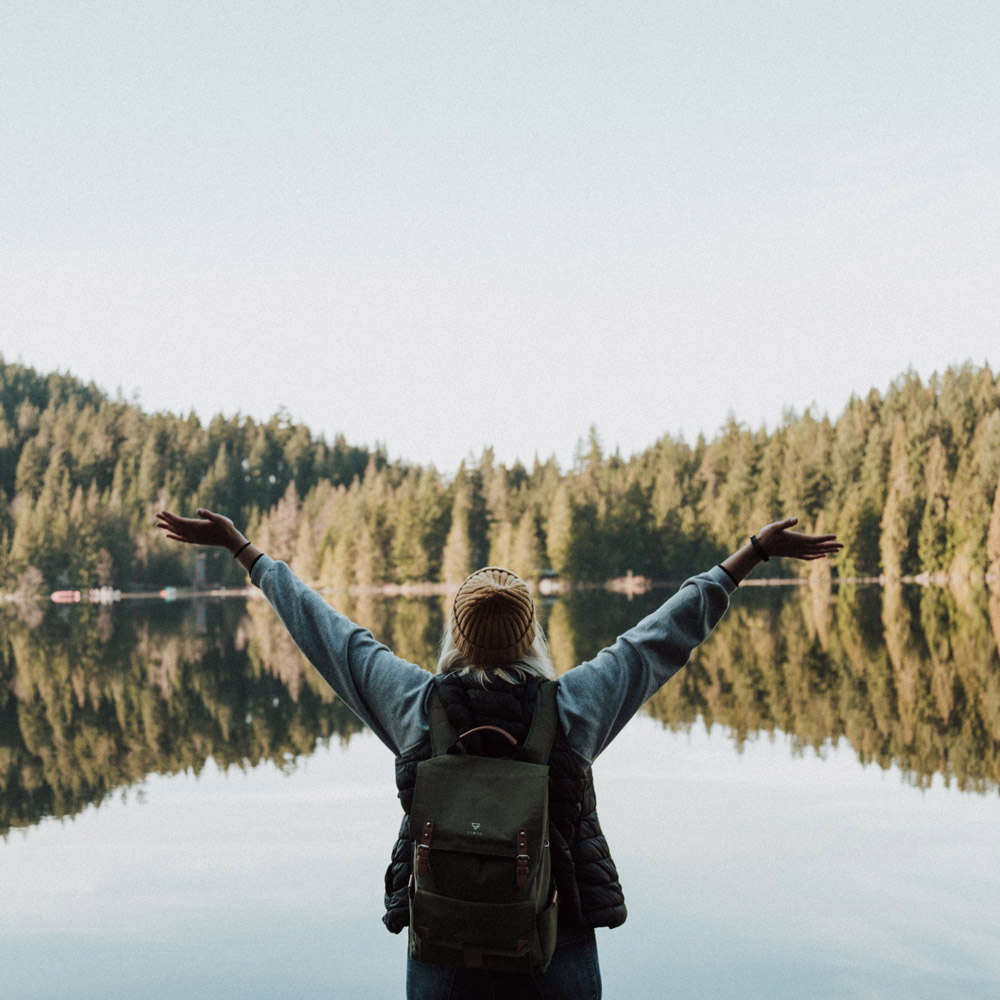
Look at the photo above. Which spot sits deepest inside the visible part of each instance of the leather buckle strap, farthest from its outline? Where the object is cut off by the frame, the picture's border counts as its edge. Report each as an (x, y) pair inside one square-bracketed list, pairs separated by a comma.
[(522, 871), (424, 848)]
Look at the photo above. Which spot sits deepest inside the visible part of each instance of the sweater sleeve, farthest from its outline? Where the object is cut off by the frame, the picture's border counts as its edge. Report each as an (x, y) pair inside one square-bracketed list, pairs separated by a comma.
[(386, 693), (597, 698)]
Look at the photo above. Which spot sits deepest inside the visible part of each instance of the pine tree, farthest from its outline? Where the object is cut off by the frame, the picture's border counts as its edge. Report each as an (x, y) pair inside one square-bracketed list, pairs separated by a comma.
[(559, 531), (456, 561), (932, 541), (409, 557), (337, 569), (525, 553), (897, 534), (502, 544)]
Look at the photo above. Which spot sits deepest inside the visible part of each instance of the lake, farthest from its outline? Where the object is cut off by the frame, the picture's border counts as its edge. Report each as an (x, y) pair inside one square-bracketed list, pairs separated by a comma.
[(809, 809)]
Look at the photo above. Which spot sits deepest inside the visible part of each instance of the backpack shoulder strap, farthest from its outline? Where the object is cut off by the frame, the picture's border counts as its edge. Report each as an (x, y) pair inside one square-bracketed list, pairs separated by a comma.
[(538, 745), (443, 735)]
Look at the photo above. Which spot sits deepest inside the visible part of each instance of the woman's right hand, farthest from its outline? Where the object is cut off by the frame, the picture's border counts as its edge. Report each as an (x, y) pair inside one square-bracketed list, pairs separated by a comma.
[(776, 540), (208, 528)]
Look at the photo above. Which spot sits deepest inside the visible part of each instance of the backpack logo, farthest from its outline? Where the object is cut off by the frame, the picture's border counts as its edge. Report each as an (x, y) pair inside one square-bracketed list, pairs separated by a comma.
[(474, 832)]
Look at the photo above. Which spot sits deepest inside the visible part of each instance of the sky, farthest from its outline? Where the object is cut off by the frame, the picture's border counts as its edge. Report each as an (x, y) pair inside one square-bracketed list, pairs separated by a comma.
[(439, 226)]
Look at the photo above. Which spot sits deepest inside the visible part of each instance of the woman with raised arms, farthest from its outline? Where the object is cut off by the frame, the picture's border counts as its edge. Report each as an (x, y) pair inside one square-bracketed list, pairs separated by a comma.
[(493, 660)]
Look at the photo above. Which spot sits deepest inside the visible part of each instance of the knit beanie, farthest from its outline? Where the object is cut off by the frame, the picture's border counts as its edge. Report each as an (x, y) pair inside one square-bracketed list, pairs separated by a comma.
[(493, 617)]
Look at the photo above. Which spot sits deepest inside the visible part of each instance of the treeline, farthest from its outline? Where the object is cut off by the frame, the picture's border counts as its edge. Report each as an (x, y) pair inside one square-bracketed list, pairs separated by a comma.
[(94, 699), (908, 479), (81, 476)]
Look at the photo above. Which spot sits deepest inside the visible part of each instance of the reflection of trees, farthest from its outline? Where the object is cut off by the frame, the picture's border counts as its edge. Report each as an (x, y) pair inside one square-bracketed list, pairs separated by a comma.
[(909, 677), (582, 622), (994, 603), (93, 700), (416, 630), (86, 708)]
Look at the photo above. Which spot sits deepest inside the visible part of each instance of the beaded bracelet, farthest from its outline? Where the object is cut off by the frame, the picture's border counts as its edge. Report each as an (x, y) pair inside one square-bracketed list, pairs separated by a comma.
[(758, 548)]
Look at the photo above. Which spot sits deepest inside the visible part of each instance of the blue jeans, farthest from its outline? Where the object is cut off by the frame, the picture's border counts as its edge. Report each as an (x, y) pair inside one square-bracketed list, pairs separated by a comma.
[(574, 974)]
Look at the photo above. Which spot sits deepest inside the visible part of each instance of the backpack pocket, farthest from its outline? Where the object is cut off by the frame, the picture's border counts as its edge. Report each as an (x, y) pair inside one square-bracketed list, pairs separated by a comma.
[(505, 928), (483, 935)]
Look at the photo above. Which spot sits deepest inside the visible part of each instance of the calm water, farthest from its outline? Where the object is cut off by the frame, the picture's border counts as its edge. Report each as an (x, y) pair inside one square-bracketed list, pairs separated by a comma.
[(809, 810)]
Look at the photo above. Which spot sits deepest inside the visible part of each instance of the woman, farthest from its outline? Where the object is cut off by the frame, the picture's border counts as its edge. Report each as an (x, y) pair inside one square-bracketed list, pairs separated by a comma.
[(493, 659)]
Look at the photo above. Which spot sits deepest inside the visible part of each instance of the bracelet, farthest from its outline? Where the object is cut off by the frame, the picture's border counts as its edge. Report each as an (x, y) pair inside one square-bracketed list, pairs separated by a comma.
[(758, 548), (242, 547)]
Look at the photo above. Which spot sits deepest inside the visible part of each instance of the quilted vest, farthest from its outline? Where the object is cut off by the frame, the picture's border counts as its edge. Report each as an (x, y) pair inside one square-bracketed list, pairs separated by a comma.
[(590, 894)]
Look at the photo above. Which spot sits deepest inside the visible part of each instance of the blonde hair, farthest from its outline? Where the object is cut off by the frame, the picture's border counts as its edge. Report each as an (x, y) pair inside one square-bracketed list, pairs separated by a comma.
[(536, 661)]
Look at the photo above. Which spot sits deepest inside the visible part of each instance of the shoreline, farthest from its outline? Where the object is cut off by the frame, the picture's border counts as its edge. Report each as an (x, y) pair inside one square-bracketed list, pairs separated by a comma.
[(629, 585)]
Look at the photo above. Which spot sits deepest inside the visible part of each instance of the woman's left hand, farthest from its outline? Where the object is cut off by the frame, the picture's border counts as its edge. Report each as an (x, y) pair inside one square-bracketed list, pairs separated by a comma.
[(777, 540)]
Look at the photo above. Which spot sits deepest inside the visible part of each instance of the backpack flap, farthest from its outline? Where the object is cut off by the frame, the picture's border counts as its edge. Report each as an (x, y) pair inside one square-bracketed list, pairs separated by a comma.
[(479, 804)]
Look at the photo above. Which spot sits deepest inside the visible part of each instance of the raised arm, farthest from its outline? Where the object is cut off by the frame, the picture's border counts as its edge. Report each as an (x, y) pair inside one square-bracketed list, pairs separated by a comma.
[(597, 698), (385, 692)]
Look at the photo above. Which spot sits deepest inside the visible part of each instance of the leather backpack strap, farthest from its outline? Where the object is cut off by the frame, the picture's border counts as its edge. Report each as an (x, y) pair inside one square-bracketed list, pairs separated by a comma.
[(443, 735), (538, 745)]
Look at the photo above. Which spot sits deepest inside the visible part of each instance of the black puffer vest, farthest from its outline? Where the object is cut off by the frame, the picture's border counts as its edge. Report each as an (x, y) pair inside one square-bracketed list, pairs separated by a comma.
[(590, 894)]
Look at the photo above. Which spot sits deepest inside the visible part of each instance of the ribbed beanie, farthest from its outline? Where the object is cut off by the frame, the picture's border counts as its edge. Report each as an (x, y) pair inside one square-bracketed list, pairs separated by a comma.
[(493, 617)]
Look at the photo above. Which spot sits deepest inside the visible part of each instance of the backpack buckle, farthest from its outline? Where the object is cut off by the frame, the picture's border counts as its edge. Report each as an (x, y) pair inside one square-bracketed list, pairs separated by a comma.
[(423, 859)]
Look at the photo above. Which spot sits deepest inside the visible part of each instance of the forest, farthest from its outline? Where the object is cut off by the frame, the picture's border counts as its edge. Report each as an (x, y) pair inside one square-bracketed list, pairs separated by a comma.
[(908, 479)]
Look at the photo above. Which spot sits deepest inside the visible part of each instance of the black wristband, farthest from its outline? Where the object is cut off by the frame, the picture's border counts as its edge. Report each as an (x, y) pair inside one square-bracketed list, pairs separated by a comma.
[(758, 548), (240, 549)]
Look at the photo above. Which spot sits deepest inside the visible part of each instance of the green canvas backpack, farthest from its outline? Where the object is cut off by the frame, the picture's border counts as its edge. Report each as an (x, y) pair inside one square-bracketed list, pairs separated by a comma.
[(482, 894)]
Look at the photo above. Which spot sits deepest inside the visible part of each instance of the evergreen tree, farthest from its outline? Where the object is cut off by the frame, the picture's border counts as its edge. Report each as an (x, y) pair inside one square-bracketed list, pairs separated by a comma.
[(898, 537), (280, 527), (525, 552), (457, 559), (932, 541), (559, 531)]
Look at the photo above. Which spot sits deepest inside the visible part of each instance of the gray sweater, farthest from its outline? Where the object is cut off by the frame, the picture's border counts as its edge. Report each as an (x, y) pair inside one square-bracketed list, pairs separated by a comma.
[(595, 699)]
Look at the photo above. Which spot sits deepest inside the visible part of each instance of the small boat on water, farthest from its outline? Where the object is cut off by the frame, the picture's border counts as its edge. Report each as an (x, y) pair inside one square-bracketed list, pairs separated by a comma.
[(104, 595), (66, 596)]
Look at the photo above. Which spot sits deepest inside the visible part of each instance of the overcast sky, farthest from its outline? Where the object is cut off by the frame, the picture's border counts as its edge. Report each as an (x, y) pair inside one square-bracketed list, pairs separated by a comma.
[(444, 225)]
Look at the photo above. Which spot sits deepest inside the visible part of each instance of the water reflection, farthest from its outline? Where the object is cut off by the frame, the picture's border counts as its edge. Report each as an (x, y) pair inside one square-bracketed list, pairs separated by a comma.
[(93, 699)]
